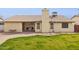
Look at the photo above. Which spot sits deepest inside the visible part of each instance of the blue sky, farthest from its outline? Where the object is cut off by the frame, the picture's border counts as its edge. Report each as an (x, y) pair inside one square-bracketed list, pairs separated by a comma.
[(7, 12)]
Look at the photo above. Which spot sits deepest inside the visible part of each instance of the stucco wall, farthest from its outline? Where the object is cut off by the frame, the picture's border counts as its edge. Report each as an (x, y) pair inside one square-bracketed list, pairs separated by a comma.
[(51, 30), (38, 30), (58, 27), (1, 28), (76, 19), (12, 26)]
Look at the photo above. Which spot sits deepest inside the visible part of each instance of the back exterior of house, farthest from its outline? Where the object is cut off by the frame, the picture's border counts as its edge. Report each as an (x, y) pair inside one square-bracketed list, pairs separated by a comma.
[(40, 23), (1, 24)]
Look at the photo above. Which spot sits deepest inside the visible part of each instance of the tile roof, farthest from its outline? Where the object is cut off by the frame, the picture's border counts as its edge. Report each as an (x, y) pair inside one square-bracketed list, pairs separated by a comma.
[(25, 18), (33, 18), (61, 18), (75, 16), (63, 21)]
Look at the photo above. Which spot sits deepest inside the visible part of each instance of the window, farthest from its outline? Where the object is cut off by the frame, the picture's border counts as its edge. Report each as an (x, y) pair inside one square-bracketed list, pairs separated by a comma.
[(38, 25), (64, 25), (51, 25)]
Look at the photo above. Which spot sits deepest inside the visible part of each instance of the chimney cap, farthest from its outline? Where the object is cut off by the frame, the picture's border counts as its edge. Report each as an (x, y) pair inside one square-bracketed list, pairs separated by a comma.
[(45, 9)]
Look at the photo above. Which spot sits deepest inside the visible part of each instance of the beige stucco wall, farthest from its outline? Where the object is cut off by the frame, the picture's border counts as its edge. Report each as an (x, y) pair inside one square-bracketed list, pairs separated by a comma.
[(51, 30), (76, 19), (38, 30), (12, 26), (58, 27)]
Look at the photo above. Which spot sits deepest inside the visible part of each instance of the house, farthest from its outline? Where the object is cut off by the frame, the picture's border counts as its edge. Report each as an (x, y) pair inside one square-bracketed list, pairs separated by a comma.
[(76, 24), (39, 23), (1, 24)]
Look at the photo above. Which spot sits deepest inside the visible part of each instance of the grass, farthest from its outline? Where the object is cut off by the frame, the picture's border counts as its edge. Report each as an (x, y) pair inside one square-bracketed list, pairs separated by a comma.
[(57, 42)]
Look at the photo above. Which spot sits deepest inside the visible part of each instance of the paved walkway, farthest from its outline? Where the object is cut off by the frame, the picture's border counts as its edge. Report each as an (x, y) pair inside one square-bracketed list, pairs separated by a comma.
[(6, 36)]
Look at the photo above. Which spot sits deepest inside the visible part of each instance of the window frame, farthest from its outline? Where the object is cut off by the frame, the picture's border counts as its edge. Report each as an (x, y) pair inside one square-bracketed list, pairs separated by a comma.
[(65, 25), (38, 25)]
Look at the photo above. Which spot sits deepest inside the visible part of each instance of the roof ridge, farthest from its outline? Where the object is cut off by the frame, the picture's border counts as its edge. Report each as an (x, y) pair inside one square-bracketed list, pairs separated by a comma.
[(27, 15)]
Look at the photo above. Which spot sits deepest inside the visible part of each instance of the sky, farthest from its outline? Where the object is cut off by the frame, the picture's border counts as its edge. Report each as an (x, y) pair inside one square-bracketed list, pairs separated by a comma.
[(8, 12)]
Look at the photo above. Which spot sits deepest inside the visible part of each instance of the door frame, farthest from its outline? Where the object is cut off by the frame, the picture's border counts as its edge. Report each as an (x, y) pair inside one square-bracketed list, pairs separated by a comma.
[(76, 28)]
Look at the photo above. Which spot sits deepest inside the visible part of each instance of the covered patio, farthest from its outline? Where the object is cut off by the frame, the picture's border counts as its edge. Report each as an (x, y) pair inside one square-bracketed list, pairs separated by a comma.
[(28, 26)]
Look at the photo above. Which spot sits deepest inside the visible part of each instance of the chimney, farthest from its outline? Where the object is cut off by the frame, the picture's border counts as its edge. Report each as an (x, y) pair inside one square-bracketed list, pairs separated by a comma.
[(45, 20)]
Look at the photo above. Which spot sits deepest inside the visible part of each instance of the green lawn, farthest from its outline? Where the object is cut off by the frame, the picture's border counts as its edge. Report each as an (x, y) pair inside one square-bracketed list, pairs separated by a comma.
[(57, 42)]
